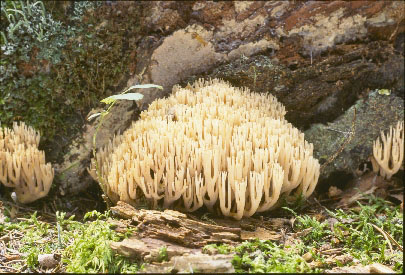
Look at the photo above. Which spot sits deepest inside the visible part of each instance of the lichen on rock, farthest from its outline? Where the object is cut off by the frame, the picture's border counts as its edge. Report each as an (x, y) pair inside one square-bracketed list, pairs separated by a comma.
[(374, 114)]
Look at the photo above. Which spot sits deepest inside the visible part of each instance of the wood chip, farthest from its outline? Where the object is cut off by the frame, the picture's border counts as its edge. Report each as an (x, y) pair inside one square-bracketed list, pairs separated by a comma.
[(379, 268), (260, 233), (334, 192), (200, 263)]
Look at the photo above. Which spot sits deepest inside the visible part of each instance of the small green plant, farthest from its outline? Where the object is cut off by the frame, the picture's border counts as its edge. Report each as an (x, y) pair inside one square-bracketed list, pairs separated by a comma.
[(163, 256), (85, 245), (89, 247), (319, 232), (110, 101), (360, 232), (219, 248), (265, 256), (356, 233), (293, 203)]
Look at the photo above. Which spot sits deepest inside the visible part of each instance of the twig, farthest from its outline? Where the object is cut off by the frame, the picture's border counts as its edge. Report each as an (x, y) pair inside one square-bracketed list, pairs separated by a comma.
[(388, 237), (22, 219), (352, 132), (332, 251), (318, 203), (338, 131), (30, 209), (12, 261), (385, 236), (18, 206), (10, 268)]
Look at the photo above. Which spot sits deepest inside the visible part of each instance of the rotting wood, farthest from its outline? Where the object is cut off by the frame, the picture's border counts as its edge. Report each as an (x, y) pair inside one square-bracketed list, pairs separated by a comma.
[(260, 233), (171, 229), (181, 233), (176, 227), (251, 224), (147, 249)]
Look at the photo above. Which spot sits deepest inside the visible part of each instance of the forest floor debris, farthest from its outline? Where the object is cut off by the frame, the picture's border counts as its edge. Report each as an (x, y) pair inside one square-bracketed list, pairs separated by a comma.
[(311, 236)]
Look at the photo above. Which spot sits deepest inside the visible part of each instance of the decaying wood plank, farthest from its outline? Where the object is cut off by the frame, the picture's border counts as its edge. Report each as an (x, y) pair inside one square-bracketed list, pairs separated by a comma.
[(171, 229), (250, 223), (173, 226), (260, 233), (147, 249), (181, 234)]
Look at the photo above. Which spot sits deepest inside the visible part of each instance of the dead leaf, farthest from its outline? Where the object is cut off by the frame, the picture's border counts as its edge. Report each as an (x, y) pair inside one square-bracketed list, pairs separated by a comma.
[(325, 246), (343, 259), (364, 185), (12, 257), (334, 240), (319, 217), (303, 233), (399, 197), (260, 233), (334, 192)]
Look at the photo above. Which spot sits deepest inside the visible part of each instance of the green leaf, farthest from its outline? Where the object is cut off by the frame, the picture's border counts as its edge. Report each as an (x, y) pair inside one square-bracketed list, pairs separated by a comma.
[(130, 96)]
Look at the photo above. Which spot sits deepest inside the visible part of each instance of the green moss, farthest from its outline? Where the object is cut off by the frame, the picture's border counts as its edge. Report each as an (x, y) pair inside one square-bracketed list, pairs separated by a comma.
[(219, 248), (83, 245), (162, 256), (266, 256), (88, 55), (353, 232)]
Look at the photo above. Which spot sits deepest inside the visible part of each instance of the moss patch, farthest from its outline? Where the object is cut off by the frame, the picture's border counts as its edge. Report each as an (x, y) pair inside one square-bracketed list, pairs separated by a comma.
[(87, 56)]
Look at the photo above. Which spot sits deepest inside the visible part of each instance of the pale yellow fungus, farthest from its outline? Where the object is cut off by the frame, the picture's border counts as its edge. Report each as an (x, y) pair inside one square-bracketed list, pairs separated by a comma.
[(210, 144)]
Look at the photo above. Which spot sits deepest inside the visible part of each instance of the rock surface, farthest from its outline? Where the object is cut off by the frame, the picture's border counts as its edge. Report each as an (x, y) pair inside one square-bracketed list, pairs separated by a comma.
[(317, 58), (72, 173), (321, 92), (374, 114)]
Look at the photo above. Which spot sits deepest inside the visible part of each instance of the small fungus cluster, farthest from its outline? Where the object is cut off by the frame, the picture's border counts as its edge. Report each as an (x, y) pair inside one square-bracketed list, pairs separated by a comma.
[(388, 155), (210, 144), (22, 165)]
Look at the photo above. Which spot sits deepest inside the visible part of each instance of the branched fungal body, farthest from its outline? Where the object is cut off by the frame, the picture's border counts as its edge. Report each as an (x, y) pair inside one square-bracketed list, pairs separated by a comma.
[(227, 148)]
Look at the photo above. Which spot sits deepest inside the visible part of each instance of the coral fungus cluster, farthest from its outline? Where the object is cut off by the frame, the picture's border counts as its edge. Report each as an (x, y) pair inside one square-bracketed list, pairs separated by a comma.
[(22, 165), (388, 155), (210, 144)]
